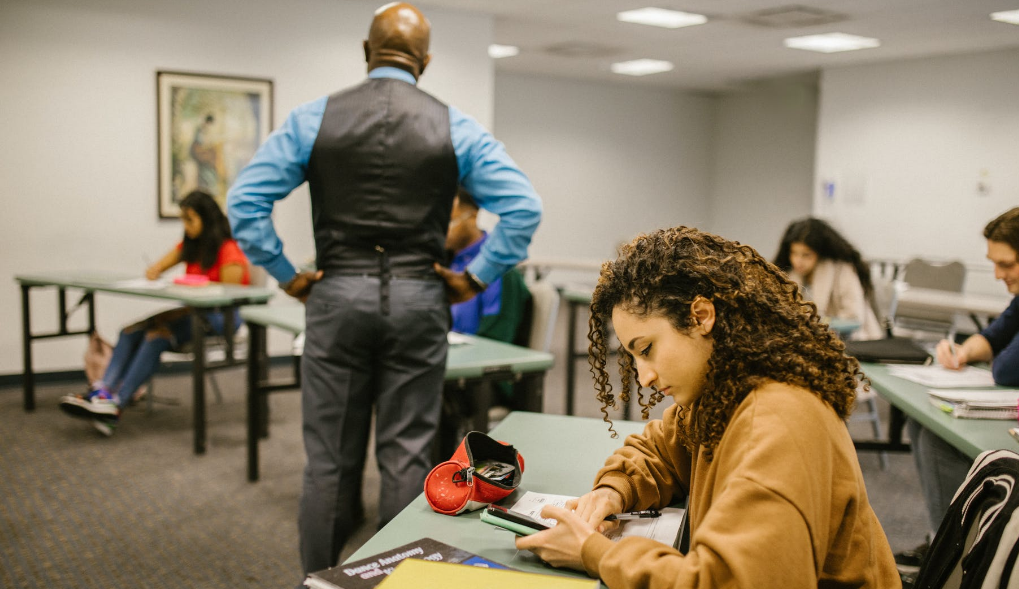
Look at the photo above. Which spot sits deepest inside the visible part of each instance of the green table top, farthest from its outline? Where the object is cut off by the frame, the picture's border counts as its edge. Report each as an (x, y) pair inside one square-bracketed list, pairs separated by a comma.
[(211, 295), (470, 360), (971, 436), (561, 455)]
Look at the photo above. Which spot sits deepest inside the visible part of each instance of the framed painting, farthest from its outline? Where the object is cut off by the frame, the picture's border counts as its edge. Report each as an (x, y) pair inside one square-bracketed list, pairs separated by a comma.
[(209, 128)]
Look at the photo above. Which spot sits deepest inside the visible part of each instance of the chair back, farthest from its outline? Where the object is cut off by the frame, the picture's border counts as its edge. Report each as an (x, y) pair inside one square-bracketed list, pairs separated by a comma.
[(544, 311), (978, 529), (920, 273)]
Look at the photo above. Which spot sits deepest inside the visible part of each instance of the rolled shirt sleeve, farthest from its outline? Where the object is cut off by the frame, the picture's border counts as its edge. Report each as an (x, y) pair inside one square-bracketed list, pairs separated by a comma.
[(498, 186), (278, 167), (1003, 336)]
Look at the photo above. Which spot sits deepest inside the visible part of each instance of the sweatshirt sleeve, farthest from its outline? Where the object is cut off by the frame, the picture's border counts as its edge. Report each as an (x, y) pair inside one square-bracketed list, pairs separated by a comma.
[(730, 552), (652, 469)]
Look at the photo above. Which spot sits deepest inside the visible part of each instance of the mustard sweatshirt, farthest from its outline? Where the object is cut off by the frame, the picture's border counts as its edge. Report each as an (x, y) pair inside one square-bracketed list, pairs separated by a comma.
[(782, 505)]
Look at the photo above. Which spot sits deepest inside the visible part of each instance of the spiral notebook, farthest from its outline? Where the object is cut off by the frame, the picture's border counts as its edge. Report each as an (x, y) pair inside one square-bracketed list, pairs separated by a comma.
[(977, 403)]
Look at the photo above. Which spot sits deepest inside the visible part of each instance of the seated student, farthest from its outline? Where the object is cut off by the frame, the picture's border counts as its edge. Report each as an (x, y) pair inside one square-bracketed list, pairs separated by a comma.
[(208, 250), (941, 466), (497, 312), (756, 437), (831, 272)]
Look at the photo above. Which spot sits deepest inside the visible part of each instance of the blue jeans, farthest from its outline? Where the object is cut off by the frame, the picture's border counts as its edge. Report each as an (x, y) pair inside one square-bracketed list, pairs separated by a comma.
[(136, 355)]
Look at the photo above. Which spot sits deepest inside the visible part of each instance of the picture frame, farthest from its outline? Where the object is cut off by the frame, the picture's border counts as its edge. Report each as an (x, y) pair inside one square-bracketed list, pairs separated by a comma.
[(209, 127)]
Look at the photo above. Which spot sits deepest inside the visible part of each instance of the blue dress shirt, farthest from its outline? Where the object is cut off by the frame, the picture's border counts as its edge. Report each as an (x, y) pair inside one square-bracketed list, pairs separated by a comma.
[(1003, 335), (486, 171)]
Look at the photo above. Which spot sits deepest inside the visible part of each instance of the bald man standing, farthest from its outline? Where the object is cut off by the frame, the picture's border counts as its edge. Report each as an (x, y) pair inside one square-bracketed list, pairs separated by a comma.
[(383, 161)]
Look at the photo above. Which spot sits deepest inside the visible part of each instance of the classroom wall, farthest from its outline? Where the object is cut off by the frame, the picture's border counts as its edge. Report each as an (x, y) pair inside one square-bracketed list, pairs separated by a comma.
[(609, 160), (763, 160), (908, 145), (78, 113)]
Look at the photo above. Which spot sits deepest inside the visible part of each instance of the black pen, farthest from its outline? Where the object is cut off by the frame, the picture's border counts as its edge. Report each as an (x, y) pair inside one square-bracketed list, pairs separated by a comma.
[(634, 515)]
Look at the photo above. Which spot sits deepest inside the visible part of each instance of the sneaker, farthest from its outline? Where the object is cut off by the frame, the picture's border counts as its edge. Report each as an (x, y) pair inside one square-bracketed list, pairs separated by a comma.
[(106, 425), (103, 404), (909, 561), (78, 405)]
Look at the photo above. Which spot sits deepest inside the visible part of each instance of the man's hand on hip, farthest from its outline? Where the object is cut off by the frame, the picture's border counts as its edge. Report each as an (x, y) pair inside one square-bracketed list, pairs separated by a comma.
[(300, 285), (458, 287)]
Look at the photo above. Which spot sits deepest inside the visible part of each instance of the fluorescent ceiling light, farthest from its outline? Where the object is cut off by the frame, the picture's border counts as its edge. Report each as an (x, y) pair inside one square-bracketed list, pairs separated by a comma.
[(1009, 16), (831, 42), (500, 51), (659, 17), (641, 67)]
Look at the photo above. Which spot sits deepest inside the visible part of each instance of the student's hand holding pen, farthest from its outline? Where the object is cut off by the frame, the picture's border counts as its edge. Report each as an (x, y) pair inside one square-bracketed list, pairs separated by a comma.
[(595, 506), (951, 356)]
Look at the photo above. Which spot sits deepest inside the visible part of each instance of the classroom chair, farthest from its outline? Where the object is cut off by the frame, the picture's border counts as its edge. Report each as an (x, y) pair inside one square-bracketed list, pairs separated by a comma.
[(216, 352), (866, 410), (918, 273)]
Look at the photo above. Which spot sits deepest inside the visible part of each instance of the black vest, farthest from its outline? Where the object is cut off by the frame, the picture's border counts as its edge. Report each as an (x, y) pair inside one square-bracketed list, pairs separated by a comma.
[(382, 175)]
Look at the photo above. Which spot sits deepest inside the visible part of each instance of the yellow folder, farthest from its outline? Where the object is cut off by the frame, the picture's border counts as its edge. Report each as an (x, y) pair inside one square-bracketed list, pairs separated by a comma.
[(424, 574)]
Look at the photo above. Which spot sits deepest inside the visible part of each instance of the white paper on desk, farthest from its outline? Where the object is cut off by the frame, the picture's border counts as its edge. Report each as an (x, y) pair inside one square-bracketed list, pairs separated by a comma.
[(664, 529), (457, 339), (980, 397), (942, 378), (141, 283)]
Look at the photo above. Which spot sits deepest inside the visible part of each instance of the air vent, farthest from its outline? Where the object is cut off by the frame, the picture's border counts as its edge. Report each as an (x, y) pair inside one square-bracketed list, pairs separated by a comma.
[(793, 16), (578, 49)]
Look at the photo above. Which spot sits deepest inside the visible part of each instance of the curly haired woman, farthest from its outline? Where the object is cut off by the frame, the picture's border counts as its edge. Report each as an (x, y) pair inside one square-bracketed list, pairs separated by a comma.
[(756, 436)]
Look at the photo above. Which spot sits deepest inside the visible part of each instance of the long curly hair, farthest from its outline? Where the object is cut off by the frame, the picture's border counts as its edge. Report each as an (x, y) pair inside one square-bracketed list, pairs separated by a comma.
[(827, 243), (764, 329)]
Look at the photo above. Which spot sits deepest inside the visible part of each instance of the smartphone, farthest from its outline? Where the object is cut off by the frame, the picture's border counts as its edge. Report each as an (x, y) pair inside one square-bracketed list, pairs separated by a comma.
[(518, 523)]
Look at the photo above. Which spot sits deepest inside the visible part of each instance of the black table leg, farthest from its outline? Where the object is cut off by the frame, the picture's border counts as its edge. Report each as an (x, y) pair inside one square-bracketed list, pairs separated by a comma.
[(198, 379), (481, 395), (28, 376), (256, 349), (571, 360)]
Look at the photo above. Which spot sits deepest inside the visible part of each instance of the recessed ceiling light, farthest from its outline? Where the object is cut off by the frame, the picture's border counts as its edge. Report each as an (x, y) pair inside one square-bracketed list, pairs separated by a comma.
[(659, 17), (641, 67), (1009, 16), (831, 42), (500, 51)]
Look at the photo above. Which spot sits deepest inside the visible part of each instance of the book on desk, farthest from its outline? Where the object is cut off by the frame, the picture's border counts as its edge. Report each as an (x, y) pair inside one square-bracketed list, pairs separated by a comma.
[(423, 574), (369, 572)]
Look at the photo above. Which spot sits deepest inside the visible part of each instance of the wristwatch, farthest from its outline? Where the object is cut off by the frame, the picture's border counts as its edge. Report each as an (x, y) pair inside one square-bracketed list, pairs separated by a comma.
[(476, 283)]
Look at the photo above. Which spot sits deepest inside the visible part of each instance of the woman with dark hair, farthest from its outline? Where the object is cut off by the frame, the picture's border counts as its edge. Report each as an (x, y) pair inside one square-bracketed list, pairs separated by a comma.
[(831, 272), (208, 250), (756, 436)]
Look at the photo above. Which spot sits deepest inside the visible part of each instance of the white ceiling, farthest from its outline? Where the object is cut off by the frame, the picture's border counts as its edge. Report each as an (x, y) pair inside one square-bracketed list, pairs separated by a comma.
[(729, 51)]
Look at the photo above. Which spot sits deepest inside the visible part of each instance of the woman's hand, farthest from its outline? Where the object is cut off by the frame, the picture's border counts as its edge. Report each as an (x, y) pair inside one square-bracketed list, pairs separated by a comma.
[(560, 545), (583, 516), (153, 272), (595, 506)]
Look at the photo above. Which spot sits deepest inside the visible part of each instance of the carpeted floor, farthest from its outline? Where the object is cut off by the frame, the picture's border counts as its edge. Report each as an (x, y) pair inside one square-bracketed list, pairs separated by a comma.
[(141, 510)]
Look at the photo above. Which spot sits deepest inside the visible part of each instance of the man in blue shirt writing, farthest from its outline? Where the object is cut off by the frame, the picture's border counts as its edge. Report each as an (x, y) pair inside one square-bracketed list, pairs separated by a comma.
[(943, 467), (383, 161)]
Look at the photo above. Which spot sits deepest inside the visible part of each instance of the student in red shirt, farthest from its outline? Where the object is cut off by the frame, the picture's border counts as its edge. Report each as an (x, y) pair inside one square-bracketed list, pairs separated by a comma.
[(208, 250)]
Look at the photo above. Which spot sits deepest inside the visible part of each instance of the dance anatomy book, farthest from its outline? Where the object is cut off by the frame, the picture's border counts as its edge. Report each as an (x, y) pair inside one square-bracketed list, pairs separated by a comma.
[(369, 572)]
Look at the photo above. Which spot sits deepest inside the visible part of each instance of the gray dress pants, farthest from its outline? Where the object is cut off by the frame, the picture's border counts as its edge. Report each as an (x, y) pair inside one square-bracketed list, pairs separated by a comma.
[(942, 468), (356, 358)]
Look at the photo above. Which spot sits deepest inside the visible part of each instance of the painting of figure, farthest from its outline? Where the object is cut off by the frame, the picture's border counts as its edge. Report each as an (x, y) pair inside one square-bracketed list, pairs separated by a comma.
[(209, 127)]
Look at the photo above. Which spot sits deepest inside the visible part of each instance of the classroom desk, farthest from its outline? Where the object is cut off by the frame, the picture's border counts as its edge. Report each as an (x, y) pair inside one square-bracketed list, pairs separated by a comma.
[(224, 297), (971, 436), (561, 455), (930, 299), (476, 365)]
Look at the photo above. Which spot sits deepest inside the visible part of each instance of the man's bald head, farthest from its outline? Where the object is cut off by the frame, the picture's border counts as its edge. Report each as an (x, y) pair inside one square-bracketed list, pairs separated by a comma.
[(398, 37)]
